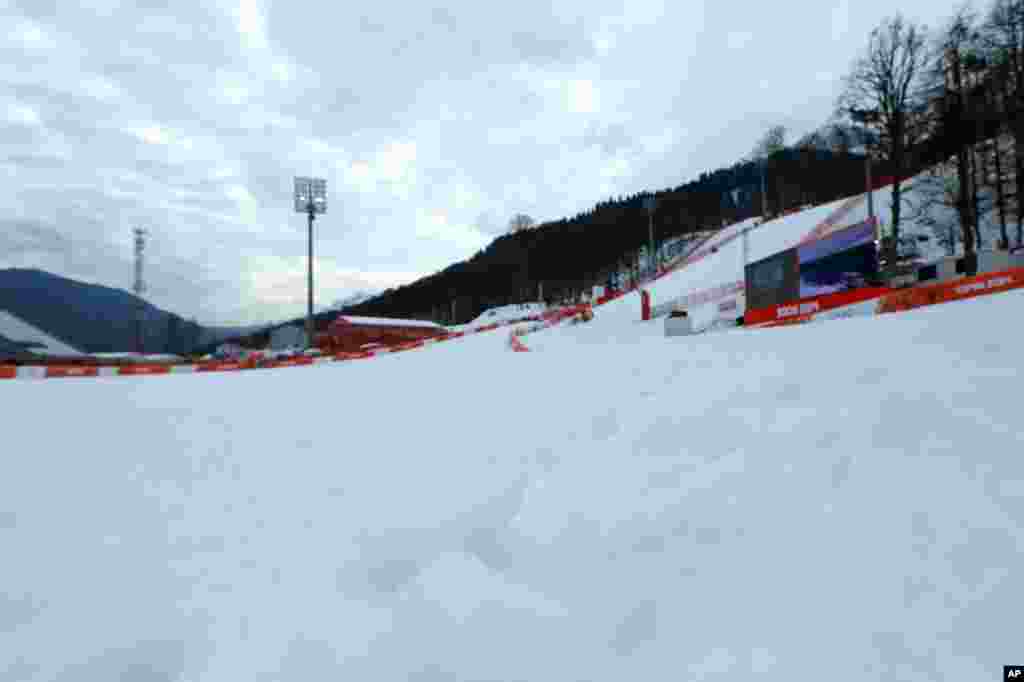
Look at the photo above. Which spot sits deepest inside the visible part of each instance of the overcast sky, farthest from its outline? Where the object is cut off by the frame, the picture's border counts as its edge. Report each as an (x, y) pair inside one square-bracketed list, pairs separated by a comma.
[(433, 125)]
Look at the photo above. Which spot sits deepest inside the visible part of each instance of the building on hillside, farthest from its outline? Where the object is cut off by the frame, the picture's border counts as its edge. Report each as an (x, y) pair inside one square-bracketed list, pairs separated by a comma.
[(288, 336), (350, 333)]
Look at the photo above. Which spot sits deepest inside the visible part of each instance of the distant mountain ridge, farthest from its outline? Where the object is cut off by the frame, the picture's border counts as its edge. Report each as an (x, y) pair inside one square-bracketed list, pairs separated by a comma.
[(95, 318), (360, 296)]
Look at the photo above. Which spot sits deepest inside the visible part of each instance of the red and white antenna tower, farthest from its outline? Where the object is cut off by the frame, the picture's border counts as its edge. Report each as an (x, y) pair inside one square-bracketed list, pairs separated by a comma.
[(140, 286)]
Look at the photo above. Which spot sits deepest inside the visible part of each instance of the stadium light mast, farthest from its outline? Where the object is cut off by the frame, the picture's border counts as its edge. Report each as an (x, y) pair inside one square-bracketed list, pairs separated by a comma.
[(649, 204), (139, 287), (311, 199)]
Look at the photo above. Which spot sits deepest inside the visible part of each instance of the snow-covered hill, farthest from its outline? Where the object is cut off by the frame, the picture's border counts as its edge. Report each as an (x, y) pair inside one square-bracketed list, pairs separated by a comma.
[(720, 269)]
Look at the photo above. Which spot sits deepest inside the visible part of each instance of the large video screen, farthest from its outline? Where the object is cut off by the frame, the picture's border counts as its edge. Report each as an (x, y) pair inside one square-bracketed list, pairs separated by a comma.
[(844, 260), (773, 280)]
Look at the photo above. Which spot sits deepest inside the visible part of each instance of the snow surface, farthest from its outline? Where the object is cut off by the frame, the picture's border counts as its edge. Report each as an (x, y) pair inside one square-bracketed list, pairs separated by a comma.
[(505, 313), (385, 321), (16, 329), (137, 357), (844, 497)]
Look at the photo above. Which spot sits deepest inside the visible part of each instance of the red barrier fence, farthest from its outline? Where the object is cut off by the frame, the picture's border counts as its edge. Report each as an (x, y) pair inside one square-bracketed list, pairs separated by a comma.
[(885, 300), (517, 345), (957, 290), (802, 310), (361, 355), (134, 370), (8, 372), (54, 371), (220, 366), (289, 362)]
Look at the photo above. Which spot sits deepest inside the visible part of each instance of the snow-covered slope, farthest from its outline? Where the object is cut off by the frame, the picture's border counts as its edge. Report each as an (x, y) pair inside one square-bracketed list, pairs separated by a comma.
[(722, 267), (843, 498), (17, 330), (505, 313)]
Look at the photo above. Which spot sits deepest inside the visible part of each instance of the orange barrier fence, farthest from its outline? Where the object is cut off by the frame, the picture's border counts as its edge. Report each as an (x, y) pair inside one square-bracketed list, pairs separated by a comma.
[(8, 372), (957, 290)]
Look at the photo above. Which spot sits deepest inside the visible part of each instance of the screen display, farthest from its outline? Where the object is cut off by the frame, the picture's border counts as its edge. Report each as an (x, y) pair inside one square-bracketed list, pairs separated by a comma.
[(849, 269), (773, 280), (842, 240)]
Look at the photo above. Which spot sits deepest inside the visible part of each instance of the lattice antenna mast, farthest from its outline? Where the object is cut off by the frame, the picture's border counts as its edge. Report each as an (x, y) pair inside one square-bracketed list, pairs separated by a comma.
[(140, 285)]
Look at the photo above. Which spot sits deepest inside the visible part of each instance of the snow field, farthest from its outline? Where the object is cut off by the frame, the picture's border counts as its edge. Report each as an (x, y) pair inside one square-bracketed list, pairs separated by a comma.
[(845, 496)]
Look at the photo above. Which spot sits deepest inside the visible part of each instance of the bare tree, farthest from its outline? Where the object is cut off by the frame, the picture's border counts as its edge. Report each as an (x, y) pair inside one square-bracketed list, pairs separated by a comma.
[(520, 222), (774, 140), (886, 92), (936, 199), (975, 66), (1004, 32), (955, 45), (996, 96)]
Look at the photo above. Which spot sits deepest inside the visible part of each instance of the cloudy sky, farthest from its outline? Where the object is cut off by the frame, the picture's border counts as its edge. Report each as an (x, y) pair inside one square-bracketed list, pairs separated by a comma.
[(433, 125)]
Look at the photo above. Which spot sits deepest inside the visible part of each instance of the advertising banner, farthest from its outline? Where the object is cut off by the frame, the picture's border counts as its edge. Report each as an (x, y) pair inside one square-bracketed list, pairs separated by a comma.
[(969, 287), (816, 307)]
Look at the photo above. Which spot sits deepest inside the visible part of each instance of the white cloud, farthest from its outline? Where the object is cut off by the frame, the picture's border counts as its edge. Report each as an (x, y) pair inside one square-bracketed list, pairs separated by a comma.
[(737, 40), (280, 282), (583, 96), (438, 225), (21, 114), (100, 88), (32, 36), (233, 90), (615, 168), (395, 161), (252, 24), (463, 197), (282, 71), (153, 135)]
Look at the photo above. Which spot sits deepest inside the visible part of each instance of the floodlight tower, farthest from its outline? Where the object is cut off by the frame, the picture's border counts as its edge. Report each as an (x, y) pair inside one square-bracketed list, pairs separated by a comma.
[(311, 199), (140, 286)]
